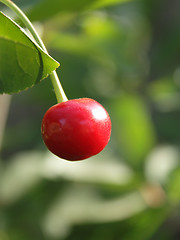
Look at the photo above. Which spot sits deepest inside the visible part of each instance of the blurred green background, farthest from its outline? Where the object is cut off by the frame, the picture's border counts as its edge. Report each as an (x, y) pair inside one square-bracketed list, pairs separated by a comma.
[(126, 55)]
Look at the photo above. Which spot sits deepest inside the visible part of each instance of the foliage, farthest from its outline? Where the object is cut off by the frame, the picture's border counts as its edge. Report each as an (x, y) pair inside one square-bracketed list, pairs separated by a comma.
[(124, 54), (16, 72)]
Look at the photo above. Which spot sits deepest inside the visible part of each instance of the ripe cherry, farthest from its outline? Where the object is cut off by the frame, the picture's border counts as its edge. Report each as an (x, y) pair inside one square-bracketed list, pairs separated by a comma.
[(76, 129)]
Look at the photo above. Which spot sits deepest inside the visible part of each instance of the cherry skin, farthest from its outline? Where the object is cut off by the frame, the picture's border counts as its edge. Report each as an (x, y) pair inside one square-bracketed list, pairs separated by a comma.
[(76, 129)]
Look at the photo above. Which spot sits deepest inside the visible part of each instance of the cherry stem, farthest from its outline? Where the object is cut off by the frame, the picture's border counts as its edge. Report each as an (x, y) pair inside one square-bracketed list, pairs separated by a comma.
[(59, 92)]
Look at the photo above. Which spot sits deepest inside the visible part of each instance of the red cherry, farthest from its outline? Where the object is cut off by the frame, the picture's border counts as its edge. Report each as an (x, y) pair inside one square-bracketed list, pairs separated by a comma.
[(76, 129)]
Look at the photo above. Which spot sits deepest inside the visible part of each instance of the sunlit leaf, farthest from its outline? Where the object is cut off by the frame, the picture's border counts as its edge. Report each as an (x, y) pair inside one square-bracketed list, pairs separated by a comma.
[(22, 62)]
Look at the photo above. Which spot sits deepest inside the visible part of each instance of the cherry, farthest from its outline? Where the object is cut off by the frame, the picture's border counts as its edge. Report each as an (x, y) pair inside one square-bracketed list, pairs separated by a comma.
[(76, 129)]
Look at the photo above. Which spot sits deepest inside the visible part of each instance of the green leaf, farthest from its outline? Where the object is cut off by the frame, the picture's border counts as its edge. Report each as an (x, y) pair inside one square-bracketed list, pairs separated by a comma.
[(49, 8), (135, 133), (22, 62)]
